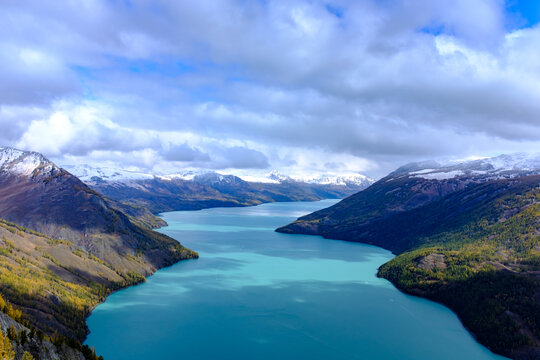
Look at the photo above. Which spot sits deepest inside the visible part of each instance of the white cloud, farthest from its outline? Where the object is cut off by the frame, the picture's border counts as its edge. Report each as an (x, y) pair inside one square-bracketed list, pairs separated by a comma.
[(274, 84), (48, 135)]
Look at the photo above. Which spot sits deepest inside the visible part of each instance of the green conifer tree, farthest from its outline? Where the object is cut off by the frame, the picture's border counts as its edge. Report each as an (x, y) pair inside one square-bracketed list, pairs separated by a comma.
[(12, 333), (22, 337)]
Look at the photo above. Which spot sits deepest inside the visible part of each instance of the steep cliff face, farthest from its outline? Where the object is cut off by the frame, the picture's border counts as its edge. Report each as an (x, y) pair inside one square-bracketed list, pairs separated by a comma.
[(40, 349)]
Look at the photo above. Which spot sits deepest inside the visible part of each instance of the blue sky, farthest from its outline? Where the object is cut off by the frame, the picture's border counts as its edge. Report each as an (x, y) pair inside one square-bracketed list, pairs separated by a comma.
[(246, 87), (526, 11)]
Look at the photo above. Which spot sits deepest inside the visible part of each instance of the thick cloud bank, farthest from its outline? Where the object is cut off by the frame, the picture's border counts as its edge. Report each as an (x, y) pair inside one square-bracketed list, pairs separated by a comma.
[(300, 86)]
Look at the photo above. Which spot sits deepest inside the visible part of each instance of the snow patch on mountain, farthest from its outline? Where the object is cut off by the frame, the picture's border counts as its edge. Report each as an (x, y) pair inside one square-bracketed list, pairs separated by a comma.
[(187, 175), (442, 175), (25, 163), (259, 179), (276, 176), (318, 179), (519, 161), (425, 171), (345, 180), (89, 173), (495, 167)]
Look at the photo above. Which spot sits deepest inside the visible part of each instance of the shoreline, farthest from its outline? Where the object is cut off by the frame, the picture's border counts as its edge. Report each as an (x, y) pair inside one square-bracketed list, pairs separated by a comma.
[(127, 287), (408, 293)]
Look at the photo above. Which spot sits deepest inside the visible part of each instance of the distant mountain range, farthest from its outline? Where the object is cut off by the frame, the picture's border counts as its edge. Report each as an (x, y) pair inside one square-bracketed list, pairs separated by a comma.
[(91, 174), (353, 180), (64, 246), (467, 234), (199, 189)]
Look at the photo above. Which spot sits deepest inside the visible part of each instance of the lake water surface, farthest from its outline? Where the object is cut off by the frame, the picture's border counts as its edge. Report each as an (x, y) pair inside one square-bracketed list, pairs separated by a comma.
[(258, 294)]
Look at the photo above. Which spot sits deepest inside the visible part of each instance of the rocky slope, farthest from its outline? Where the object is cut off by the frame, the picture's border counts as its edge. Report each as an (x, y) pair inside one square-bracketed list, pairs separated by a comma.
[(41, 348), (64, 247), (466, 234)]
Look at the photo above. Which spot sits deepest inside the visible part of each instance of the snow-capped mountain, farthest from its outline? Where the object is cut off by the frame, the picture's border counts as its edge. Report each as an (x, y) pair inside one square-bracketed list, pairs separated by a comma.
[(92, 175), (512, 162), (213, 178), (487, 168), (277, 177), (325, 179), (18, 162), (188, 175), (89, 173), (345, 180), (502, 166)]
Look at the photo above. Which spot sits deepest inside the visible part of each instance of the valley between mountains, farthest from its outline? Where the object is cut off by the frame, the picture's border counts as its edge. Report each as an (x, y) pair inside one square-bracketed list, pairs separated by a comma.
[(466, 234)]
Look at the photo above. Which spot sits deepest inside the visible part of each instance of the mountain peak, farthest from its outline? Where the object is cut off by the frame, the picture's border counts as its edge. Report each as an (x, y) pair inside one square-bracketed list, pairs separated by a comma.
[(20, 162), (341, 180), (89, 173), (187, 174), (517, 161), (279, 177), (213, 178)]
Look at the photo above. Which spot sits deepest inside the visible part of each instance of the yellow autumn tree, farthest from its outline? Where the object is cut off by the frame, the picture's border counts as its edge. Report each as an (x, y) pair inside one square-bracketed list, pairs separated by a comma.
[(27, 356), (6, 350)]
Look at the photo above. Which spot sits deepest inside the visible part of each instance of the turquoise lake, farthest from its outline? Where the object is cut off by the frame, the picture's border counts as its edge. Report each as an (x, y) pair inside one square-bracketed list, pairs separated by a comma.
[(258, 294)]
